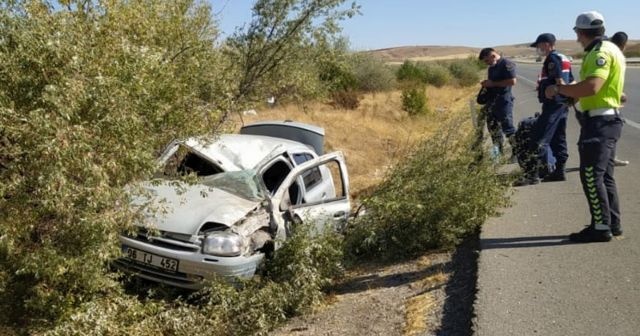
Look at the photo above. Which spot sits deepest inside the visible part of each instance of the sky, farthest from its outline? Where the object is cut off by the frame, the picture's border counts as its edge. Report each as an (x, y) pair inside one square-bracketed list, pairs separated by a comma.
[(470, 23)]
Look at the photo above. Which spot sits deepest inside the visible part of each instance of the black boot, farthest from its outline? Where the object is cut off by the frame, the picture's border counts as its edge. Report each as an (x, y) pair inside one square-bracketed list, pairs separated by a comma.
[(557, 175)]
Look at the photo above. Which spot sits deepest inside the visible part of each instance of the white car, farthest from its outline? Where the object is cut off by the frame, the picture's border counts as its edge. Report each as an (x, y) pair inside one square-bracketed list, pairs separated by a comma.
[(251, 189)]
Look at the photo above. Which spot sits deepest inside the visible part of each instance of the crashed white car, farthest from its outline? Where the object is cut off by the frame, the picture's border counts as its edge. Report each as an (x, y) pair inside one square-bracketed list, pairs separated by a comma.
[(252, 188)]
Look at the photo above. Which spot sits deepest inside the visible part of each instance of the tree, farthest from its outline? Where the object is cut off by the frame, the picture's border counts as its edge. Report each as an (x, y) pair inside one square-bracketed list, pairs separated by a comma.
[(283, 45)]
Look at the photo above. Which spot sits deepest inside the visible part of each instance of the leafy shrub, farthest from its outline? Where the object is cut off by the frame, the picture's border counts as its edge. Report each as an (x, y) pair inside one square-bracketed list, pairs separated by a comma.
[(349, 100), (414, 100), (436, 74), (466, 72), (293, 283), (410, 72), (86, 99), (372, 74), (439, 194), (338, 77)]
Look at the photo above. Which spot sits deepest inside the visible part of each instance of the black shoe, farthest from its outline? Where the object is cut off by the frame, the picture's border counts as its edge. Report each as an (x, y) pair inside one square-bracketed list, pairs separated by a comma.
[(590, 235), (525, 181), (616, 231), (555, 177)]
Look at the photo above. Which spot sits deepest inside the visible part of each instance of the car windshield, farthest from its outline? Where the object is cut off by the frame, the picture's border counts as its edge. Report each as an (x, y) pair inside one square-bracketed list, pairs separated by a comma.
[(243, 183)]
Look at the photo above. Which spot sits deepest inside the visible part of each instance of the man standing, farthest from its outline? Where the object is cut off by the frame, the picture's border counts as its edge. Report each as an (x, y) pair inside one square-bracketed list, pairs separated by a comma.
[(501, 77), (602, 85), (549, 132)]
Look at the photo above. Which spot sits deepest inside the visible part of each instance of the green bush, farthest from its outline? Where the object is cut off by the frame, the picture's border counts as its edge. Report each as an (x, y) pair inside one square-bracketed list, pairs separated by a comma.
[(436, 74), (410, 72), (86, 99), (292, 284), (466, 72), (372, 74), (434, 198), (414, 100)]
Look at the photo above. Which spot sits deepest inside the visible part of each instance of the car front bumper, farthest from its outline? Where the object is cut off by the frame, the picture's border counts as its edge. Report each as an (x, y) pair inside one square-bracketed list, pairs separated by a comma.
[(193, 266)]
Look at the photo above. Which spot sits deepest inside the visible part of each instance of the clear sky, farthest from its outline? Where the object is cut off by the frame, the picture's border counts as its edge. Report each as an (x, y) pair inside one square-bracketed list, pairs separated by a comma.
[(472, 23)]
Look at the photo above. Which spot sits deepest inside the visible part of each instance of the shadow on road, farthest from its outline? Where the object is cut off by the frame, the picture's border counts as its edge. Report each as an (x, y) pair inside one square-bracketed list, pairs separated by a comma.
[(518, 242)]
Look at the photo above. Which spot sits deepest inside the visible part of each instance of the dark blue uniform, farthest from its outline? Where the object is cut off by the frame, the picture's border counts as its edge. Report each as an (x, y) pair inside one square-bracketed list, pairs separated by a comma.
[(550, 130), (500, 116)]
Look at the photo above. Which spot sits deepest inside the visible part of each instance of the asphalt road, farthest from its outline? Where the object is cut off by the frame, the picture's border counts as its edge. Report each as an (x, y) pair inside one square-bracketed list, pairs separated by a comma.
[(531, 280)]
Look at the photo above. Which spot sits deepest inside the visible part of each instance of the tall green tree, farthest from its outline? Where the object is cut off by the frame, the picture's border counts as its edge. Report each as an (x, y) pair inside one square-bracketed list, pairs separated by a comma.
[(282, 48)]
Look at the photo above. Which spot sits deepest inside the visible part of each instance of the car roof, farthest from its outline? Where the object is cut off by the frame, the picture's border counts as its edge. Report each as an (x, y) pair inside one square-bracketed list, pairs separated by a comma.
[(242, 151)]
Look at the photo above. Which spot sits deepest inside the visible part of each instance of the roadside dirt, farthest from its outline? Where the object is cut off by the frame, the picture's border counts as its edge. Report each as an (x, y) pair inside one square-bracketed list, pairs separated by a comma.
[(431, 295)]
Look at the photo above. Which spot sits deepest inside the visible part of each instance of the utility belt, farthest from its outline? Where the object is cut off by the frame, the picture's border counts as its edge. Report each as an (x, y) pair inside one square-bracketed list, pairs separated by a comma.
[(600, 112), (606, 111)]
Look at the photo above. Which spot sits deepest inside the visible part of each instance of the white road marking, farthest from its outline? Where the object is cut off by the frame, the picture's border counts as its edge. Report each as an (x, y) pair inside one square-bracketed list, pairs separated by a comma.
[(632, 123)]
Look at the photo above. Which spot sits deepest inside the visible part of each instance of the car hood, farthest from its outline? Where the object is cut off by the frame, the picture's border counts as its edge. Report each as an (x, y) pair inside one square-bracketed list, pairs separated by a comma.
[(182, 208)]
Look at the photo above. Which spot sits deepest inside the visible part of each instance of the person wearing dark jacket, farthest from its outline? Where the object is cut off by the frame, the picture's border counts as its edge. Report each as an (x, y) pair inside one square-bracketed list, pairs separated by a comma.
[(549, 132), (501, 76)]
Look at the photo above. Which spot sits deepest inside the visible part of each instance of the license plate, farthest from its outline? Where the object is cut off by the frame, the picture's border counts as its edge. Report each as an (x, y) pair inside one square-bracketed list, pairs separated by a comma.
[(168, 264)]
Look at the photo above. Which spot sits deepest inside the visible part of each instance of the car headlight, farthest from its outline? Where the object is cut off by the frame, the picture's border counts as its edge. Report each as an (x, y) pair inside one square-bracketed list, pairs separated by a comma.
[(225, 244)]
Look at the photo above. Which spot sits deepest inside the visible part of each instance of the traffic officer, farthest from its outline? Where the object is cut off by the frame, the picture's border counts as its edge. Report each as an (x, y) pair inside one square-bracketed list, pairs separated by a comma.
[(599, 92), (550, 130), (501, 76)]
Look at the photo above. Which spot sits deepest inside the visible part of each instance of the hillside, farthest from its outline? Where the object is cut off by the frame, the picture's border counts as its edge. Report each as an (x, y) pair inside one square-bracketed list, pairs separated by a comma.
[(432, 53)]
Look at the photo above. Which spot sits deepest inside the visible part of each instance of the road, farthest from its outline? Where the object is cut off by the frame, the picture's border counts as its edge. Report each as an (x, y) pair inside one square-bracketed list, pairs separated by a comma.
[(531, 280)]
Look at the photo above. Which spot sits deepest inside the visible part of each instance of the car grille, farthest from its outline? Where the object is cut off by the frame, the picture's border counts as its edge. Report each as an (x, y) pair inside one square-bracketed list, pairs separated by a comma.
[(167, 240)]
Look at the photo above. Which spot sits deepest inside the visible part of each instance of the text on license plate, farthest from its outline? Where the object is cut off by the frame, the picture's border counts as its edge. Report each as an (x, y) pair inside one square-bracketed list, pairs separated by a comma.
[(147, 258)]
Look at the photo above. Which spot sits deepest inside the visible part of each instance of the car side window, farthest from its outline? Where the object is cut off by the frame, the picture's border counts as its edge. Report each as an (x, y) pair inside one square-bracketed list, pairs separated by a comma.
[(312, 177)]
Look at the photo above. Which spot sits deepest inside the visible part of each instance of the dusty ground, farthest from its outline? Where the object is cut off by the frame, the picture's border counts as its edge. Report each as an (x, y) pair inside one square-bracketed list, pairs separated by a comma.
[(431, 295)]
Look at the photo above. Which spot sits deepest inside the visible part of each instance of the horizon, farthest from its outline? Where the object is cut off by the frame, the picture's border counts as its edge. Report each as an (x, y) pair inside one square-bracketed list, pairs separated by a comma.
[(503, 24)]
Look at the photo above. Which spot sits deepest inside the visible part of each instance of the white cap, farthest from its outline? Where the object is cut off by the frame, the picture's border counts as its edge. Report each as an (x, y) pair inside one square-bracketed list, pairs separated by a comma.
[(589, 20)]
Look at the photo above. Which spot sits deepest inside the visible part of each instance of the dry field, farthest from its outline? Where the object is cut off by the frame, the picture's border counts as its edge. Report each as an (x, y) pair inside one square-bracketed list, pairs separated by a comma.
[(432, 53), (376, 134)]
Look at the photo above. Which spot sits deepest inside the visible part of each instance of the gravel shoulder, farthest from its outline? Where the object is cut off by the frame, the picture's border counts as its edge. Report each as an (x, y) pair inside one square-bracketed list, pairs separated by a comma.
[(429, 295)]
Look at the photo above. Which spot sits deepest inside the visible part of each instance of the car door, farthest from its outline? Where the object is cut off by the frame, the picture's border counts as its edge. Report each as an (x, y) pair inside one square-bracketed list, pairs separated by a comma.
[(330, 207)]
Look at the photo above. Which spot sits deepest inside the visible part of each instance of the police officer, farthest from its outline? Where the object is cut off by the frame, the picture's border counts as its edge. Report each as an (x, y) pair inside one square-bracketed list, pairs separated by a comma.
[(549, 132), (501, 77), (602, 73)]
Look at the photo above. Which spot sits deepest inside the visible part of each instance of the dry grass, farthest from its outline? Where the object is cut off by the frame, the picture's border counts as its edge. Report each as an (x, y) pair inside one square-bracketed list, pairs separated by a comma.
[(418, 307), (377, 133), (416, 311)]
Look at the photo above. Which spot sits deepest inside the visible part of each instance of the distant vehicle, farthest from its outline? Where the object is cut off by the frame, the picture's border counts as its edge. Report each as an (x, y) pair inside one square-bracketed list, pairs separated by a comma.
[(252, 189)]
